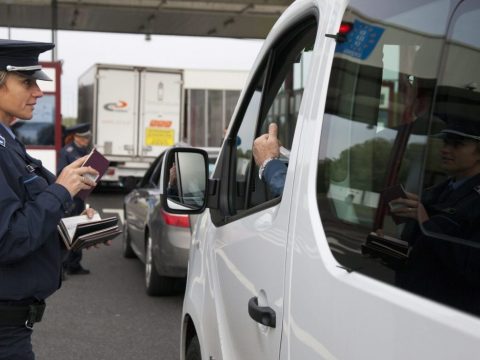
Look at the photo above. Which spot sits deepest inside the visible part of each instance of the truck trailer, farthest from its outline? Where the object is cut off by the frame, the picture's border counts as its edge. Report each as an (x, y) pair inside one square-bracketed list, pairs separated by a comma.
[(137, 112)]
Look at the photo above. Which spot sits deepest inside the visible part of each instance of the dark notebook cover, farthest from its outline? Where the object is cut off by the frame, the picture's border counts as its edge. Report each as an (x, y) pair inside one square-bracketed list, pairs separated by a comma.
[(87, 232), (99, 163), (394, 252)]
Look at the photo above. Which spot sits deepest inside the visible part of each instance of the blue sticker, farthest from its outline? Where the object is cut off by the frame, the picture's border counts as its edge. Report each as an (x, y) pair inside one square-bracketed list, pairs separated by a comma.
[(361, 41), (2, 141)]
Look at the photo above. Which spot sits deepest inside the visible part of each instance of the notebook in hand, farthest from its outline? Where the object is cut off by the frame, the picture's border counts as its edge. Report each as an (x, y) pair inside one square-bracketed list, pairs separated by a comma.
[(393, 193), (97, 161), (392, 251), (79, 231)]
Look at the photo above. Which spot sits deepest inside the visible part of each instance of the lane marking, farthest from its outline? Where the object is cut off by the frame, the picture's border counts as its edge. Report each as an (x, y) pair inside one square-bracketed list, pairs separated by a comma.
[(119, 212)]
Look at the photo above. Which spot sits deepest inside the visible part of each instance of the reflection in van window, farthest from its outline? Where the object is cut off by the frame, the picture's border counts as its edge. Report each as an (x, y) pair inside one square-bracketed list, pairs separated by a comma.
[(398, 185)]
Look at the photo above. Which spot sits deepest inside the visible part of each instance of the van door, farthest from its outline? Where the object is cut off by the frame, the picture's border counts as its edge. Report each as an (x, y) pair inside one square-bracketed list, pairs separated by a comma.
[(116, 125), (248, 246), (377, 271), (160, 111)]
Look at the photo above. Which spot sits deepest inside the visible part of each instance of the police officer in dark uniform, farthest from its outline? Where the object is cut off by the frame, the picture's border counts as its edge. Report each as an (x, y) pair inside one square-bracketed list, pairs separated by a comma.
[(444, 230), (72, 151), (32, 202)]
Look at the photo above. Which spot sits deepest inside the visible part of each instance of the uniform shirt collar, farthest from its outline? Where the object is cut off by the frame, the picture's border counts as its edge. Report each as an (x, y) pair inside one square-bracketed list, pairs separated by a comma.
[(455, 184), (9, 131)]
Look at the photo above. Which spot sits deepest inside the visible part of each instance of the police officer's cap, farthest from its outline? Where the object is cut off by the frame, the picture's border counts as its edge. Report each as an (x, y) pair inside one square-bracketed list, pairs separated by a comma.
[(459, 127), (79, 130), (22, 57)]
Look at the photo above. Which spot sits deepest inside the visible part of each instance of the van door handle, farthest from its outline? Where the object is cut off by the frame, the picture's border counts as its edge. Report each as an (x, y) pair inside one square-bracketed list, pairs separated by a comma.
[(261, 314)]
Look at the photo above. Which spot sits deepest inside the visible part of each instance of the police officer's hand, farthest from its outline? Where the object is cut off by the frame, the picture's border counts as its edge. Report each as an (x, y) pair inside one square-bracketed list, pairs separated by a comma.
[(266, 146), (72, 176), (89, 212), (411, 207)]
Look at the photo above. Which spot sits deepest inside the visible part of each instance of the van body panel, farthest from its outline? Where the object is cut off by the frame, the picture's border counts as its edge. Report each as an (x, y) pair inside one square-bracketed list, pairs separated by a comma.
[(285, 254)]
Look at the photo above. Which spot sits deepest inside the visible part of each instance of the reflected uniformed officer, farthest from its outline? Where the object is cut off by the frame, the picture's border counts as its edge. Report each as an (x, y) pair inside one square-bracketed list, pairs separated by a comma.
[(71, 152), (447, 270), (32, 202)]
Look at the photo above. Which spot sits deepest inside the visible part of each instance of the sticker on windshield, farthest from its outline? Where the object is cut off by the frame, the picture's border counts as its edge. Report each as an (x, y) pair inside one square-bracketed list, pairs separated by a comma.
[(361, 41)]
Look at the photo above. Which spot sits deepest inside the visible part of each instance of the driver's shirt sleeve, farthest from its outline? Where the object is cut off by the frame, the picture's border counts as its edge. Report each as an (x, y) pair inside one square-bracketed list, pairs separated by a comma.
[(274, 175)]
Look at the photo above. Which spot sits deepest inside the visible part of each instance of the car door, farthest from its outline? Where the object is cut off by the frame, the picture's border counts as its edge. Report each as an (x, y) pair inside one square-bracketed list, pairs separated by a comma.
[(137, 206), (247, 244)]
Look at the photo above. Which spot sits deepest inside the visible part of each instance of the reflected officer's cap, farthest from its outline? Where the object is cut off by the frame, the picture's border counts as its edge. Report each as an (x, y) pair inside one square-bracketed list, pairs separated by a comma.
[(459, 127), (22, 57), (82, 130)]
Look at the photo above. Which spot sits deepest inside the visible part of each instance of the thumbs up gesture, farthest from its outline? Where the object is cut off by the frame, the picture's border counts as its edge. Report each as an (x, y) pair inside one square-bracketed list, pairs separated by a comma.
[(266, 146)]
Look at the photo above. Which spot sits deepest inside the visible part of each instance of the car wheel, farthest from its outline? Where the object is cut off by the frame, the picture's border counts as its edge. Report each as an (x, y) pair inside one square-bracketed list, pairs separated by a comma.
[(193, 350), (127, 250), (155, 284)]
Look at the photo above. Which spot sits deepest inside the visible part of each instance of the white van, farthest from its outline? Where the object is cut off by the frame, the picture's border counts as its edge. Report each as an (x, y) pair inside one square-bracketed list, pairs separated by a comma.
[(331, 269)]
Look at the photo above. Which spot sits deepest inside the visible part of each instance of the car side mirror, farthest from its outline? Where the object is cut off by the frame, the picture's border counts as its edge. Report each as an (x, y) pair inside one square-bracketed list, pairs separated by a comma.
[(184, 180)]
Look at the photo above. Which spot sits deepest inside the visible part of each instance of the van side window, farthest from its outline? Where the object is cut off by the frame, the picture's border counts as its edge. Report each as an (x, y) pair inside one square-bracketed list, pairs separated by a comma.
[(402, 113), (275, 97)]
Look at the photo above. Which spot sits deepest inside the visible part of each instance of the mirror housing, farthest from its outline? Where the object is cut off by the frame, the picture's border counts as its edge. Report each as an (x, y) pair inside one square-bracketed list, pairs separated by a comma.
[(184, 180)]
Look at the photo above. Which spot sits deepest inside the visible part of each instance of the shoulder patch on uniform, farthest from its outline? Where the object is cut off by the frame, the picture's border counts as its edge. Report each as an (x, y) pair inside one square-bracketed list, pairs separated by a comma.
[(477, 189), (2, 141), (69, 149)]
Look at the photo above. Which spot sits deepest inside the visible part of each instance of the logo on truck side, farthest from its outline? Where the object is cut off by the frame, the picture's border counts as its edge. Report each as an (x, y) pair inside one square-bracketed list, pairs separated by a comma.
[(116, 106)]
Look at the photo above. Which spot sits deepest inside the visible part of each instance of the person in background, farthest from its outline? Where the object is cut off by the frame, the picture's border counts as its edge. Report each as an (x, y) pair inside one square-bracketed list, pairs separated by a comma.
[(32, 202), (75, 148)]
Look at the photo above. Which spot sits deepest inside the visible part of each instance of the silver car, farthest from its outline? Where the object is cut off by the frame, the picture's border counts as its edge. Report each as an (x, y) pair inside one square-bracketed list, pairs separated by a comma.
[(161, 240)]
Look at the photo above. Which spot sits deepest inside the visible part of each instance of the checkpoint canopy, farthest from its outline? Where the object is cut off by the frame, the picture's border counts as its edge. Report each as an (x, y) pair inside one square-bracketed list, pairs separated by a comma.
[(220, 18)]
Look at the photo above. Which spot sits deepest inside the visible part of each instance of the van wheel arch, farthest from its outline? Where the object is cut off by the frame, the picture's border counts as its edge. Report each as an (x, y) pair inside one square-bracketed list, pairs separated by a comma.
[(192, 343)]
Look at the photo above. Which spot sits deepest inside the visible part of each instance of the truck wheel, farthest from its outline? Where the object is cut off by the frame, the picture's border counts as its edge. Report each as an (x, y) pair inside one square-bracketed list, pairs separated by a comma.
[(127, 250), (193, 350), (154, 283)]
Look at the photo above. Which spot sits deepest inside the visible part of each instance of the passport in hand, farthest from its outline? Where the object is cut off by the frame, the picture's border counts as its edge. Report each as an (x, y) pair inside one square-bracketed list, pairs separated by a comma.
[(99, 163)]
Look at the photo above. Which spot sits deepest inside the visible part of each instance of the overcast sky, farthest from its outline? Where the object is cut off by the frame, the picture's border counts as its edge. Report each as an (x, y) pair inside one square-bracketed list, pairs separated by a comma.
[(80, 50)]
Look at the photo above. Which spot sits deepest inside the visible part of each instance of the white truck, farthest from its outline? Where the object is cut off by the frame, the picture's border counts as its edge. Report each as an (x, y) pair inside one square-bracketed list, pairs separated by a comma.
[(135, 114)]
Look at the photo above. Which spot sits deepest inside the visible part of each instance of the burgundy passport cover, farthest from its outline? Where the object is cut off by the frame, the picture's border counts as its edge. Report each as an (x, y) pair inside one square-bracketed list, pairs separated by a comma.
[(99, 163)]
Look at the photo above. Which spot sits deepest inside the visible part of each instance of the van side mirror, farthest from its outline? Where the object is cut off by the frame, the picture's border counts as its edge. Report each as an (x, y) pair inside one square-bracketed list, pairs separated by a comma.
[(184, 180)]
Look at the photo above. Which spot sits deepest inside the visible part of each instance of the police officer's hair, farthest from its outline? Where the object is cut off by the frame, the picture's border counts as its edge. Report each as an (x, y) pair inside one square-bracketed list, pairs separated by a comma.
[(3, 76)]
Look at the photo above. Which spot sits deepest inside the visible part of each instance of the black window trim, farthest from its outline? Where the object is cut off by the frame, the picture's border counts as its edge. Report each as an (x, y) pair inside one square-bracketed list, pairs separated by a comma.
[(226, 212)]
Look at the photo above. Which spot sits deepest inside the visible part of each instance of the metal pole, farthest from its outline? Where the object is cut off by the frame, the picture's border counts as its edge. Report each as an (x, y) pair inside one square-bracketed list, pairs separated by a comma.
[(54, 29), (9, 16)]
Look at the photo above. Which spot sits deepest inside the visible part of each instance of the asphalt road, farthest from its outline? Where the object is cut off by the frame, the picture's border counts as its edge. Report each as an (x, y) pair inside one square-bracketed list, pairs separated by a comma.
[(107, 314)]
